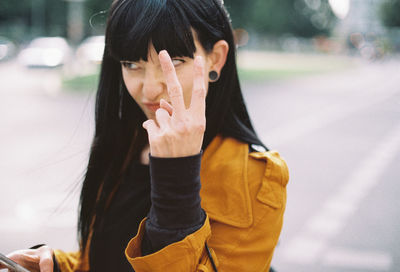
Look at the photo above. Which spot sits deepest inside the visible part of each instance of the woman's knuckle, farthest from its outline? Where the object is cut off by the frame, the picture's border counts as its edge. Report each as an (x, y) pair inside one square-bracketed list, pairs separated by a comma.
[(46, 261), (174, 90), (198, 127), (182, 128), (199, 70), (168, 68), (156, 140), (162, 136), (199, 92), (201, 127)]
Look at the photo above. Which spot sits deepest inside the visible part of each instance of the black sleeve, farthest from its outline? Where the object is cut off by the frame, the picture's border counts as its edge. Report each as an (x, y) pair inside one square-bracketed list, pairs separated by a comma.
[(175, 194)]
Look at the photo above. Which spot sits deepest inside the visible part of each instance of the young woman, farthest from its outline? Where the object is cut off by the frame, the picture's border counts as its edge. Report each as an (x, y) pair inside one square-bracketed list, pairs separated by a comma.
[(177, 178)]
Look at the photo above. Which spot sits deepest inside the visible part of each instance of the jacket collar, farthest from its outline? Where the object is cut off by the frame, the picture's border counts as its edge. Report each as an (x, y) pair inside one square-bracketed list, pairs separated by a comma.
[(225, 192)]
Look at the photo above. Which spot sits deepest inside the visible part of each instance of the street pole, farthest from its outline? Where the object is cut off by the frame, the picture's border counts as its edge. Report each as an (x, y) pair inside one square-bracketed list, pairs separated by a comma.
[(38, 13), (75, 17)]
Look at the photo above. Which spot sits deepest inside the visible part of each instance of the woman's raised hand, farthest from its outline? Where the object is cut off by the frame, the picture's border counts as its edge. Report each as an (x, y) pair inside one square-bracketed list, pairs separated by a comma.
[(178, 132), (34, 260)]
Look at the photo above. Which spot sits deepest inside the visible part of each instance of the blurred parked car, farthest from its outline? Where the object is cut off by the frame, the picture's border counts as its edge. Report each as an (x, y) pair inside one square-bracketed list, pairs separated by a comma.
[(45, 52), (7, 48), (91, 50)]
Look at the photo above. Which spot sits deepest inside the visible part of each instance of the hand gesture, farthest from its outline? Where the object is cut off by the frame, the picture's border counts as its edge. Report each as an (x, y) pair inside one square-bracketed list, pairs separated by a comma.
[(35, 260), (178, 131)]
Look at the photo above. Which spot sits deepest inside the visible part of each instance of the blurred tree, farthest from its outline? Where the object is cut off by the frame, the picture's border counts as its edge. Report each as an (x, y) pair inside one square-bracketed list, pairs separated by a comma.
[(303, 18), (56, 18), (390, 13), (10, 10), (94, 6), (239, 12), (47, 17), (15, 17), (32, 18)]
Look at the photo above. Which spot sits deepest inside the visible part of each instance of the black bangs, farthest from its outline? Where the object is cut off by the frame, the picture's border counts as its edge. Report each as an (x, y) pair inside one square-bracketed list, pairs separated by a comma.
[(135, 24)]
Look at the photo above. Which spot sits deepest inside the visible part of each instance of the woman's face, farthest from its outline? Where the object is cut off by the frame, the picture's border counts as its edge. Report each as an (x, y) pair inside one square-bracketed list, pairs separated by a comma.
[(146, 84)]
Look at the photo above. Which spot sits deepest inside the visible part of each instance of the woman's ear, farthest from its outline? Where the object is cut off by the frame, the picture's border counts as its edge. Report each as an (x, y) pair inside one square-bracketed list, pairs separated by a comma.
[(217, 57)]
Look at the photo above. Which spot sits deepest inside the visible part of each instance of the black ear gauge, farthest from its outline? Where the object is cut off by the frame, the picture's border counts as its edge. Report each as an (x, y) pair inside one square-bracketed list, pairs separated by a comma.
[(213, 76)]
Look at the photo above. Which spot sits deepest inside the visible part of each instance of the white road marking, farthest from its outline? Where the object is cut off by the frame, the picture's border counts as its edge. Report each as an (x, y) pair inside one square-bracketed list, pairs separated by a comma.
[(304, 250), (339, 207), (333, 216), (325, 224), (358, 259)]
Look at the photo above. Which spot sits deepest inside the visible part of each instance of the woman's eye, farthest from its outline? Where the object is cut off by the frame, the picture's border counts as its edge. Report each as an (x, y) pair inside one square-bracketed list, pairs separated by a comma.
[(176, 62), (130, 65)]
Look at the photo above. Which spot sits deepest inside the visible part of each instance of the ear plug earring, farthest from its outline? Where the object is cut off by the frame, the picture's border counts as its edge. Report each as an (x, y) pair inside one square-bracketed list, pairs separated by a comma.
[(213, 76)]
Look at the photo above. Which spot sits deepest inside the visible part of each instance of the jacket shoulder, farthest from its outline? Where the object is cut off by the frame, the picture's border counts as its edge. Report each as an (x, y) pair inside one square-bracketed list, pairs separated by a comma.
[(232, 179), (274, 177)]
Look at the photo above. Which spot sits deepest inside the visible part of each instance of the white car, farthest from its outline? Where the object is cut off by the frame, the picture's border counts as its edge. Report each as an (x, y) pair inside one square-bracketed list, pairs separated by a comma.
[(45, 52), (91, 50)]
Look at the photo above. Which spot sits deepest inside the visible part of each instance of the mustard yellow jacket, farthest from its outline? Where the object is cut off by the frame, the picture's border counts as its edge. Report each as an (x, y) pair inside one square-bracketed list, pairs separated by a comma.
[(244, 196)]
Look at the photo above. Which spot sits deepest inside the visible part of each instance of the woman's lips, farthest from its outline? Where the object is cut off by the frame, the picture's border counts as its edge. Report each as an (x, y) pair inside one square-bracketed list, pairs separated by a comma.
[(152, 106)]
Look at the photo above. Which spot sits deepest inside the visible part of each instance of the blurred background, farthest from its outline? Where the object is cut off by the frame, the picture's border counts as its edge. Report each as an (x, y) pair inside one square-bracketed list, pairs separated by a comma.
[(322, 82)]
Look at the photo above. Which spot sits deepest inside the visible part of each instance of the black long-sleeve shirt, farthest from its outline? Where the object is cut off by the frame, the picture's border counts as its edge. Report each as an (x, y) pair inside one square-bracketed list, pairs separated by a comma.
[(167, 192), (175, 195)]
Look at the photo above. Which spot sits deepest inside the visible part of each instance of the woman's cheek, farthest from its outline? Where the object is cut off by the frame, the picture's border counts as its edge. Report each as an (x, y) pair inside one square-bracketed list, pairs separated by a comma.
[(130, 82), (133, 88)]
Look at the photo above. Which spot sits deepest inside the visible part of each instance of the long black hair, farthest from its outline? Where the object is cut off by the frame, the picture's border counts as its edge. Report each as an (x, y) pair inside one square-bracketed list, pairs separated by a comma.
[(119, 137)]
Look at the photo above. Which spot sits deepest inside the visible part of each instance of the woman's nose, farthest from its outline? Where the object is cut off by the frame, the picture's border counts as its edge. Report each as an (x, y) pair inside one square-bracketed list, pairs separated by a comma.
[(153, 85)]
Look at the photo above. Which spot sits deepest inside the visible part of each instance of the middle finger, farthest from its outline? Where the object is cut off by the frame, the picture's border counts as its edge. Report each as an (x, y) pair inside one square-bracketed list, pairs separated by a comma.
[(199, 91)]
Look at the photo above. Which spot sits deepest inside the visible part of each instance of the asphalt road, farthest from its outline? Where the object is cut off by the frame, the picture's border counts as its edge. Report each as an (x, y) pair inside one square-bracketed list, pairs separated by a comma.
[(45, 138), (338, 131), (340, 135)]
